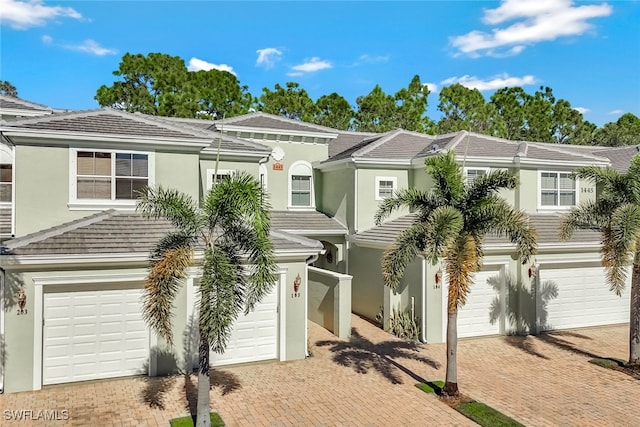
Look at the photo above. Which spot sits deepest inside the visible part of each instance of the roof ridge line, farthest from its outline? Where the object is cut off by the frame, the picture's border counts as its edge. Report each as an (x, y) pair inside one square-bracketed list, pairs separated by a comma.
[(384, 138), (58, 230), (295, 238)]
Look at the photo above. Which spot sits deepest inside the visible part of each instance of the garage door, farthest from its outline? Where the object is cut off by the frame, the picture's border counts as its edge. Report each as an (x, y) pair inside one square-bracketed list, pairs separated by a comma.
[(474, 318), (93, 334), (254, 336), (583, 299)]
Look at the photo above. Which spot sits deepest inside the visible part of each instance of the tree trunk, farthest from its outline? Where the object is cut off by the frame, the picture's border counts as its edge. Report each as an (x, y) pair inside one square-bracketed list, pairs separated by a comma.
[(451, 380), (634, 315), (203, 410)]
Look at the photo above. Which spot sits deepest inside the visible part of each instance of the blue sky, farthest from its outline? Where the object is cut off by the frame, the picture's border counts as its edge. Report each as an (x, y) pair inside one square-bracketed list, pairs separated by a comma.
[(58, 52)]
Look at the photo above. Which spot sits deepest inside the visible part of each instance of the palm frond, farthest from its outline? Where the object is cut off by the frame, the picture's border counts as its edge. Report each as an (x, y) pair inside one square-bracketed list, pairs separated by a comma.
[(161, 286), (172, 205), (620, 245), (441, 228), (405, 248), (461, 262), (488, 184), (221, 293), (412, 198), (589, 215), (449, 183)]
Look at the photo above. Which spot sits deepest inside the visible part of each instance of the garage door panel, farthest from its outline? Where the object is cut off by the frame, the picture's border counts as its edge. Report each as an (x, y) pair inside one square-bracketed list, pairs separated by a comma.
[(93, 334), (254, 337), (474, 318), (583, 299)]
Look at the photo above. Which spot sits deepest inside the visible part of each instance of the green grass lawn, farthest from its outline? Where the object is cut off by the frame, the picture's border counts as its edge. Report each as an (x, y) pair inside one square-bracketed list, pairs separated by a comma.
[(216, 421)]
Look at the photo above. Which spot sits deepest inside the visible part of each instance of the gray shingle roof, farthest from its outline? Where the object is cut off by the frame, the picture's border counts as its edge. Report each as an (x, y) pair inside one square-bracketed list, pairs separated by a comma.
[(620, 157), (547, 226), (8, 102), (307, 223), (111, 232), (270, 121), (347, 140)]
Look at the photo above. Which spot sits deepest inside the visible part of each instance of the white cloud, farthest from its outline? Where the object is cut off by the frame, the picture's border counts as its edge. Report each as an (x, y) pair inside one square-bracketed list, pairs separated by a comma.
[(534, 21), (496, 82), (267, 57), (196, 64), (294, 73), (87, 46), (612, 112), (366, 59), (92, 47), (33, 13), (582, 110), (432, 87), (311, 65)]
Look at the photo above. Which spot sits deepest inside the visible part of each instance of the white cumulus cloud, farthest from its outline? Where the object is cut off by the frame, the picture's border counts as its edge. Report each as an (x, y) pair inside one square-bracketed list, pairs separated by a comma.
[(311, 65), (366, 59), (33, 13), (268, 56), (531, 21), (88, 46), (496, 82), (612, 112), (432, 87), (196, 64), (581, 110)]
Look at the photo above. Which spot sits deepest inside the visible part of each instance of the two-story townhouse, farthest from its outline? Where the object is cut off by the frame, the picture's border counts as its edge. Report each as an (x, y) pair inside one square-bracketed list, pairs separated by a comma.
[(72, 276)]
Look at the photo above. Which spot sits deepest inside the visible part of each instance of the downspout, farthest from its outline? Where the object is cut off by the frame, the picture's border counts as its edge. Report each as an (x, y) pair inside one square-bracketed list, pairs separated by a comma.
[(423, 325), (309, 261)]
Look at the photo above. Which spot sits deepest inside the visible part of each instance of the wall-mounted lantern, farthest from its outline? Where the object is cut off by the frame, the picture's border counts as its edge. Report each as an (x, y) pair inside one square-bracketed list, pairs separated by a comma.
[(438, 278), (533, 270), (296, 287)]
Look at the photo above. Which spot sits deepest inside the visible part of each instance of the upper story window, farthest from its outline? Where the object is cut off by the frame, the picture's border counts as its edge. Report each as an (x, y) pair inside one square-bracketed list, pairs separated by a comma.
[(105, 178), (471, 174), (222, 173), (557, 189), (301, 192), (385, 187), (6, 183)]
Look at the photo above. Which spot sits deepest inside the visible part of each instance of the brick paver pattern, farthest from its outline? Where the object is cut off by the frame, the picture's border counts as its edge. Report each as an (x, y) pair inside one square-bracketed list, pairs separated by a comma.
[(370, 381)]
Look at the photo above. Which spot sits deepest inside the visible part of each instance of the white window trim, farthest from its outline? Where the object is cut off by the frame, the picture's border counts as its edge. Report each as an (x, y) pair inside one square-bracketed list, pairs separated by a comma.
[(7, 154), (312, 196), (212, 172), (467, 169), (393, 179), (556, 207), (99, 205)]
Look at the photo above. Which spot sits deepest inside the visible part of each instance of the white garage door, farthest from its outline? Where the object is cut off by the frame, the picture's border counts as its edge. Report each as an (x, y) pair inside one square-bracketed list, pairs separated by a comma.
[(93, 334), (254, 336), (474, 318), (584, 299)]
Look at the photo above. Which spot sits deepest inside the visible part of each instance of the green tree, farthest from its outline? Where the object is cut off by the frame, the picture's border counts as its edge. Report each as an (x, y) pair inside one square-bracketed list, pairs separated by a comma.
[(233, 222), (510, 105), (624, 131), (539, 116), (160, 84), (333, 111), (466, 109), (411, 107), (567, 122), (451, 223), (616, 215), (375, 112), (290, 101), (8, 89)]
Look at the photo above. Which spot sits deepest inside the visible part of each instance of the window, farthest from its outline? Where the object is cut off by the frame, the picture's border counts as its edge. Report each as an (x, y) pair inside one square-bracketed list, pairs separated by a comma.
[(6, 183), (108, 178), (222, 173), (557, 189), (385, 186), (475, 173), (301, 192)]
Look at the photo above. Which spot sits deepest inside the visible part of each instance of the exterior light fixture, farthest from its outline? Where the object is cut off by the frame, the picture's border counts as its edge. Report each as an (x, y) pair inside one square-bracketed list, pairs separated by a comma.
[(438, 278)]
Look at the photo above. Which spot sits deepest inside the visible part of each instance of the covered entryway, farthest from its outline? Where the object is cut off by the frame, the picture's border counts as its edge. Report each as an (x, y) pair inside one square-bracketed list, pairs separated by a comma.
[(255, 336), (93, 334), (475, 317), (583, 298)]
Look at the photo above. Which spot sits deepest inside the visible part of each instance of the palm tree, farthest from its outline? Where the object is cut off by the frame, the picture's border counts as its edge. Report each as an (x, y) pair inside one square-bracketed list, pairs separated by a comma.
[(232, 226), (616, 215), (451, 223)]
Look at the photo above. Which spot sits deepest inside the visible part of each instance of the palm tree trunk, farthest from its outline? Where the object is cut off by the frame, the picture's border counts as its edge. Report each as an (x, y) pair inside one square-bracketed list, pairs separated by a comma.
[(203, 410), (634, 315), (451, 380)]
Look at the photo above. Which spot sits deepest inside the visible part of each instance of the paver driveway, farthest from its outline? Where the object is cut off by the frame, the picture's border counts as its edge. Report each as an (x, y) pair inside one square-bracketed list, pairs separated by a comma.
[(370, 380)]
